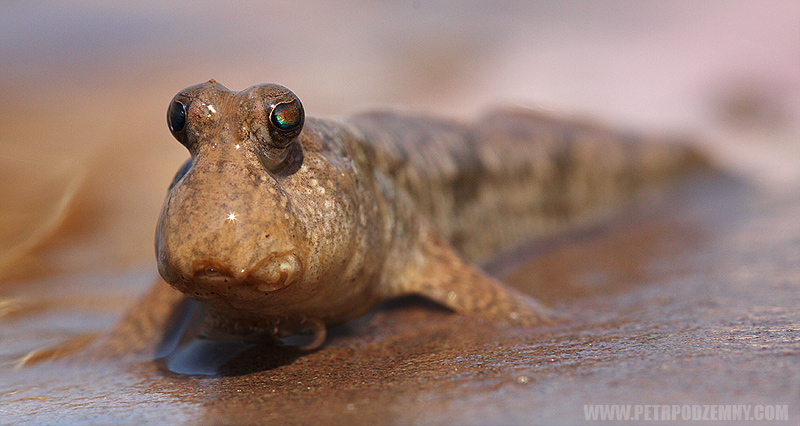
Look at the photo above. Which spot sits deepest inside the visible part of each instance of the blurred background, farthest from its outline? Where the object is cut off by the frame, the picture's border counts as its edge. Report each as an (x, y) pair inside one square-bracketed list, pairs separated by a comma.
[(85, 155), (86, 158)]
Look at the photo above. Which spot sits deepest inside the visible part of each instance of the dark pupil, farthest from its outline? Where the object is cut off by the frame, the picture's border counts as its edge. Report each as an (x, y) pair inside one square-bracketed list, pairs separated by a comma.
[(176, 117), (287, 116)]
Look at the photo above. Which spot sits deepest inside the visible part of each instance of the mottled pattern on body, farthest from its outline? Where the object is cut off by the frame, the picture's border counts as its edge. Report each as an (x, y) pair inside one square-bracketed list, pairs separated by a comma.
[(281, 224), (516, 174)]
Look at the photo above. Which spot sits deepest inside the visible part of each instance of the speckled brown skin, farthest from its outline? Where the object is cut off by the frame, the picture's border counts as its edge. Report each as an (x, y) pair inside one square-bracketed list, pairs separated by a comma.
[(302, 242), (281, 233)]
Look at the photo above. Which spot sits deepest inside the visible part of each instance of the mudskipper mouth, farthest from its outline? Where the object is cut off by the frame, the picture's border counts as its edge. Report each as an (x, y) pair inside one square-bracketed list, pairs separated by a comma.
[(213, 277)]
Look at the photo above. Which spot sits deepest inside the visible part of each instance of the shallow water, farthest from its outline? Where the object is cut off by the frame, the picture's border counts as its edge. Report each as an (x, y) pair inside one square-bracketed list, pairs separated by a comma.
[(690, 303)]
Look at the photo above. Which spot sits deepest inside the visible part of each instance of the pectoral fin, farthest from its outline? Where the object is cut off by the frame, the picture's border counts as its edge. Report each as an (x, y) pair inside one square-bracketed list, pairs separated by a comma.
[(140, 333), (439, 273), (146, 325)]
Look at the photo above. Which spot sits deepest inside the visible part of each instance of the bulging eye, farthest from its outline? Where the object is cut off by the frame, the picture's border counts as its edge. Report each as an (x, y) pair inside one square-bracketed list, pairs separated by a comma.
[(287, 116), (276, 120), (176, 116), (285, 121)]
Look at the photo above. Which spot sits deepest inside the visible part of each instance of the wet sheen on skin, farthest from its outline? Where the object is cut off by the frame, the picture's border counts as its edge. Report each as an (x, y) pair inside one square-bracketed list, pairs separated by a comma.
[(282, 224)]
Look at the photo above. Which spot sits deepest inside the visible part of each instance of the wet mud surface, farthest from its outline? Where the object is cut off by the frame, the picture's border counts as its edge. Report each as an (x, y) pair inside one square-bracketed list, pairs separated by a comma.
[(691, 303)]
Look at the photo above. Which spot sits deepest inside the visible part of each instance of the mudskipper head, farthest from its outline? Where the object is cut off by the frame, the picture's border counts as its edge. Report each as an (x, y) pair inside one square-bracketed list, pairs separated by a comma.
[(228, 234)]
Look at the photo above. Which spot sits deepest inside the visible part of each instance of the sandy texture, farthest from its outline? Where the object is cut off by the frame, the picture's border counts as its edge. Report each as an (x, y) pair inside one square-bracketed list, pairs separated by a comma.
[(691, 304)]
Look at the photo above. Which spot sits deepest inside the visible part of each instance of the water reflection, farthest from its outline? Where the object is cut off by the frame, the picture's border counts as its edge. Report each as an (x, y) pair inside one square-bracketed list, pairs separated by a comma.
[(85, 85)]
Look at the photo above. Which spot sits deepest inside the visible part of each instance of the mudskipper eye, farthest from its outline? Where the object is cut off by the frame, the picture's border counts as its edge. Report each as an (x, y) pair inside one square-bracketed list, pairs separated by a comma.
[(280, 120), (176, 116), (287, 116)]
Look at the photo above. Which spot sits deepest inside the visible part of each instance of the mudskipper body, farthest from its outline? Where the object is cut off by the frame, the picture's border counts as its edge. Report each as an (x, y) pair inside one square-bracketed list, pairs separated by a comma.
[(282, 224)]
